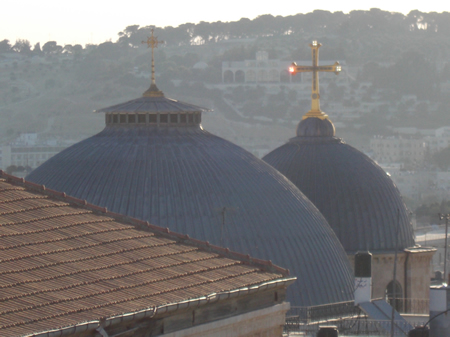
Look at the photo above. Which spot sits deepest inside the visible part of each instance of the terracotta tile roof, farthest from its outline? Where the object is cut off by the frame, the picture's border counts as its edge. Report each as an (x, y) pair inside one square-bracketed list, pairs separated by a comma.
[(64, 262)]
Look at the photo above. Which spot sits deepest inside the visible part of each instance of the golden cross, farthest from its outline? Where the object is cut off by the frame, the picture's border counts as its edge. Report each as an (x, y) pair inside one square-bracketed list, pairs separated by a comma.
[(315, 68), (152, 42)]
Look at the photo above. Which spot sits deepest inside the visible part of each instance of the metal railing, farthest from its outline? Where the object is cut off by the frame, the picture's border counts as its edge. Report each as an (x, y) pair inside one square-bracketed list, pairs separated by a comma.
[(417, 306), (325, 312), (349, 319), (358, 327)]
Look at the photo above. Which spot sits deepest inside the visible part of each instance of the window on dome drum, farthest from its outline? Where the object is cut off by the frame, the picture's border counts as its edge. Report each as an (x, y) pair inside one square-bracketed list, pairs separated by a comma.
[(163, 119), (198, 118), (108, 119), (131, 118), (153, 118), (183, 119), (123, 118), (115, 119), (173, 118), (191, 118), (141, 118)]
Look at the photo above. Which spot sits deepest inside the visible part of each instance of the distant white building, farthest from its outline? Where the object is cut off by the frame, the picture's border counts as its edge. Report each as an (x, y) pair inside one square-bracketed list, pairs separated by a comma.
[(398, 149), (440, 140), (27, 151), (410, 183)]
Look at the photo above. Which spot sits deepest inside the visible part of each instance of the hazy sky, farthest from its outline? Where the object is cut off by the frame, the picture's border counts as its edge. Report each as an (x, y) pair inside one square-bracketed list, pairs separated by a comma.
[(96, 21)]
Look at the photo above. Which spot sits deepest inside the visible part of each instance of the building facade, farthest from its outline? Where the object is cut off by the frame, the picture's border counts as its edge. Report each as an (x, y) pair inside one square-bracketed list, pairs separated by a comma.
[(398, 150)]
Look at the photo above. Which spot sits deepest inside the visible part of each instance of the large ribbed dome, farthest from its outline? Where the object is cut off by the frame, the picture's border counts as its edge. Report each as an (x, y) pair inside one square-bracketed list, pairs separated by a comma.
[(153, 161), (359, 200)]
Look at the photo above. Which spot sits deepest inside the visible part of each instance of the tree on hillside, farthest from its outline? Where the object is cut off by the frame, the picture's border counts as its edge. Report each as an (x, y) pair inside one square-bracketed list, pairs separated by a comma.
[(68, 49), (174, 36), (37, 49), (203, 31), (22, 46), (129, 31), (51, 47), (5, 46), (106, 51), (128, 36), (239, 29), (360, 25)]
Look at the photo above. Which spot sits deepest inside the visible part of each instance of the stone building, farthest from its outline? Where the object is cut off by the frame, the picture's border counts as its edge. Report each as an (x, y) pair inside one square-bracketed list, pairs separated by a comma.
[(28, 151), (398, 150), (70, 268), (440, 140)]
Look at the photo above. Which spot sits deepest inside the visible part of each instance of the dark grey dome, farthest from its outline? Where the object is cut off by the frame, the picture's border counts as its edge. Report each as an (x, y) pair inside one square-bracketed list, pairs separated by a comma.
[(359, 200), (162, 167)]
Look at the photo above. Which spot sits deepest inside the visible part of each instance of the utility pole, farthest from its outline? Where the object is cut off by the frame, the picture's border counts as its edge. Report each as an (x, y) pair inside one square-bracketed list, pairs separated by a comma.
[(446, 217), (394, 282)]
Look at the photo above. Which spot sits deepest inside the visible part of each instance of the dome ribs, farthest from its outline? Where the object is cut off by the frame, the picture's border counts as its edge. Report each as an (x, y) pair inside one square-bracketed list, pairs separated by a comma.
[(184, 174), (364, 215)]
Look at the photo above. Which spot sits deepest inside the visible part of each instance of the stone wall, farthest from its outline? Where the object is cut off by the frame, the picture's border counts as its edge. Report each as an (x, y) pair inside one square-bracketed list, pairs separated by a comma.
[(267, 322), (413, 266)]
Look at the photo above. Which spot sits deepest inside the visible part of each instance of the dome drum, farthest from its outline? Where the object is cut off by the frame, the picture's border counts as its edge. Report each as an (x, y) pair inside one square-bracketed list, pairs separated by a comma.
[(154, 119)]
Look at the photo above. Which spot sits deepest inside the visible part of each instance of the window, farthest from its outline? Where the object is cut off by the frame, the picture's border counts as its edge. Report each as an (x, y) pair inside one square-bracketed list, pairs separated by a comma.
[(141, 118), (153, 118), (164, 119), (389, 295)]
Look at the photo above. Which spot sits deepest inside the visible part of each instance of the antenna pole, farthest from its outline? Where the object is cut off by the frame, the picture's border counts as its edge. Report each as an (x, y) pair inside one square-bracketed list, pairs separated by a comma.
[(446, 217)]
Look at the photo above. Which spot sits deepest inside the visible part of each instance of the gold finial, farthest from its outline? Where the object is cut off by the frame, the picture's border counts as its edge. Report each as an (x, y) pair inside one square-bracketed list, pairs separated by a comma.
[(315, 68), (152, 42)]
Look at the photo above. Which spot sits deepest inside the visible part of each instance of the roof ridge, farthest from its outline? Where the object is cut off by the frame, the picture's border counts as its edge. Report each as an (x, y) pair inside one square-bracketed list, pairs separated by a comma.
[(267, 265)]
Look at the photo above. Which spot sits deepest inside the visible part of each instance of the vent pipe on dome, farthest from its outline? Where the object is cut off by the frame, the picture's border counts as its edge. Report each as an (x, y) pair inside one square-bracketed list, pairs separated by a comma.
[(363, 277)]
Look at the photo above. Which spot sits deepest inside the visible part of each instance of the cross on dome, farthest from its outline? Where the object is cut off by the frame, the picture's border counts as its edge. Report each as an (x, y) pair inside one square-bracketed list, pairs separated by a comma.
[(315, 69), (153, 42)]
